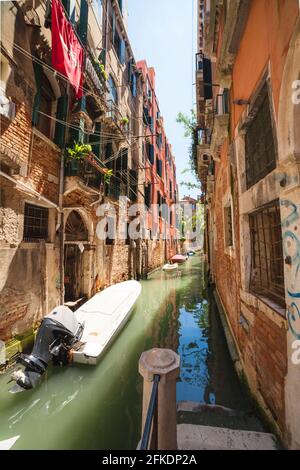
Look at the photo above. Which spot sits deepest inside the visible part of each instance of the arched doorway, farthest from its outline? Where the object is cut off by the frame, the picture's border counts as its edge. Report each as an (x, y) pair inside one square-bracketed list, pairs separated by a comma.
[(76, 239)]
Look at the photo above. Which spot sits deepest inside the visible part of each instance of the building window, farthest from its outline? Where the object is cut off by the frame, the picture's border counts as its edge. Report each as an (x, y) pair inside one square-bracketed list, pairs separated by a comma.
[(267, 268), (35, 223), (228, 230), (47, 99), (260, 141), (113, 94), (110, 231)]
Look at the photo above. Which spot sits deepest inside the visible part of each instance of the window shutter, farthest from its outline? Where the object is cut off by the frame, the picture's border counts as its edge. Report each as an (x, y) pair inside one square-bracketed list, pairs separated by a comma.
[(95, 140), (129, 70), (113, 26), (61, 115), (122, 53), (134, 89), (38, 73), (151, 154), (207, 77), (83, 21)]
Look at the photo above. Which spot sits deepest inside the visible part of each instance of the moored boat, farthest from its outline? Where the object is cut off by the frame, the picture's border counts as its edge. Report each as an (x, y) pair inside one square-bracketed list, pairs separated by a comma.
[(170, 267), (82, 336), (179, 258)]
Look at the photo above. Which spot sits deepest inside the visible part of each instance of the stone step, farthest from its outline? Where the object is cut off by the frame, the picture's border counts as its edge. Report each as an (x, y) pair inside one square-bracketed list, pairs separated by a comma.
[(218, 416), (195, 437)]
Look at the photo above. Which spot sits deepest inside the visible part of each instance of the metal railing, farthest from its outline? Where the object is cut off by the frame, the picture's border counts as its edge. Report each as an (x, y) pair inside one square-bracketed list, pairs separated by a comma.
[(116, 116), (149, 435), (85, 171), (203, 136)]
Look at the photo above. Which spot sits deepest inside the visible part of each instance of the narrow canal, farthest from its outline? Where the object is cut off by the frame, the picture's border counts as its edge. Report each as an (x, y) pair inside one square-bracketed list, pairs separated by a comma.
[(99, 407)]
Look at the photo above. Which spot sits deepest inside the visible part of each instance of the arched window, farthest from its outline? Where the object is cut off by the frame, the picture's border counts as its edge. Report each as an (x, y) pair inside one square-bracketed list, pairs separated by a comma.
[(76, 229), (47, 99), (113, 94)]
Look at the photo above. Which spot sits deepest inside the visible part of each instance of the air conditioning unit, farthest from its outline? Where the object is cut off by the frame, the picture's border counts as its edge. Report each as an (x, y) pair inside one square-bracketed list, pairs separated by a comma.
[(7, 108)]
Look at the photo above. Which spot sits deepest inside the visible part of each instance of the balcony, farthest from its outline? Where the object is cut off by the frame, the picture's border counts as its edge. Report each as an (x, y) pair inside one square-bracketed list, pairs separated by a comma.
[(115, 119), (84, 175), (221, 123), (96, 80), (115, 188)]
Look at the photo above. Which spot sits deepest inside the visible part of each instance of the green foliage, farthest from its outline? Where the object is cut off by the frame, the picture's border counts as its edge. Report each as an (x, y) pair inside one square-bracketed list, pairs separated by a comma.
[(190, 123), (79, 151), (101, 69), (124, 120), (107, 176)]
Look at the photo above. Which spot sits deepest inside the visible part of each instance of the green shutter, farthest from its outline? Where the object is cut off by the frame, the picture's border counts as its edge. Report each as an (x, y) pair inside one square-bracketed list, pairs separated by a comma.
[(61, 115), (95, 140), (83, 21), (38, 73)]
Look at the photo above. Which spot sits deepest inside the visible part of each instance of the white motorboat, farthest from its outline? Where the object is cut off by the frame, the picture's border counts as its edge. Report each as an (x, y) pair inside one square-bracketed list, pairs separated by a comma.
[(82, 336), (170, 267), (103, 317)]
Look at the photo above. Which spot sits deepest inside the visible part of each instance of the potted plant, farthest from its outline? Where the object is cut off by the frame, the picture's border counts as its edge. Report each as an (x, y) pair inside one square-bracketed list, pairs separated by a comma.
[(124, 121), (77, 153), (101, 69)]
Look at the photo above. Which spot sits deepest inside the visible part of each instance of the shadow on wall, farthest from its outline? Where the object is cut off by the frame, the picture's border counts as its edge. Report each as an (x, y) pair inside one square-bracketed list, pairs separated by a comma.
[(22, 295)]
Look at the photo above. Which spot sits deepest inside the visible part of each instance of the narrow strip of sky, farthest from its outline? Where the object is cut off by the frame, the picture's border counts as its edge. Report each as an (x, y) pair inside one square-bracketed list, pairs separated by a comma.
[(164, 33)]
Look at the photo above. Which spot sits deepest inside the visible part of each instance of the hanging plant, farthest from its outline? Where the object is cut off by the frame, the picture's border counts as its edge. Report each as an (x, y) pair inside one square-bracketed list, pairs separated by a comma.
[(108, 174), (124, 121), (79, 151), (101, 69)]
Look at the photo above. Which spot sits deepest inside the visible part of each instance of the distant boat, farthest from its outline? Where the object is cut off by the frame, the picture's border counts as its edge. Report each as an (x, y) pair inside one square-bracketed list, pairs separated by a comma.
[(82, 336), (170, 267), (179, 259)]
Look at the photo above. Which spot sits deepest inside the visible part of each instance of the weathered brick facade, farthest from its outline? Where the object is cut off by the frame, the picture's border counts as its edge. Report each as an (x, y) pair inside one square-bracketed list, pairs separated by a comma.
[(256, 48)]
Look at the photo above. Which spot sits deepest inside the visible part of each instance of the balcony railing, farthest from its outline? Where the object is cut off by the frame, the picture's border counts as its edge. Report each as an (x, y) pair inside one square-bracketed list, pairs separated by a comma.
[(86, 171), (115, 188), (114, 114), (199, 62), (202, 136), (95, 74)]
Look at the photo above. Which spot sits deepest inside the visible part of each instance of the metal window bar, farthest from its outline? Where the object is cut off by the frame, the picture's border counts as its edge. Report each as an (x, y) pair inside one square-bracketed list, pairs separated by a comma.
[(267, 267), (260, 142), (35, 223), (151, 419)]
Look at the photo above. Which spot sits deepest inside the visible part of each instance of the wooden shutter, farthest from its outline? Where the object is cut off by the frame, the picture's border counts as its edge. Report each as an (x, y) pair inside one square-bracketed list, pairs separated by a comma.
[(61, 115)]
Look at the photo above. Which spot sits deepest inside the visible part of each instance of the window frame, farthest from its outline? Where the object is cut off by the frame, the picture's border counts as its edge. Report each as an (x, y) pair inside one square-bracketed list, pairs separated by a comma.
[(262, 97), (30, 238), (273, 292)]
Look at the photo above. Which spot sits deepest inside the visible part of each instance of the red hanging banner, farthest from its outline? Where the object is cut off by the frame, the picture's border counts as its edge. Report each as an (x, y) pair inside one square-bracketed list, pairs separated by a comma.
[(67, 53)]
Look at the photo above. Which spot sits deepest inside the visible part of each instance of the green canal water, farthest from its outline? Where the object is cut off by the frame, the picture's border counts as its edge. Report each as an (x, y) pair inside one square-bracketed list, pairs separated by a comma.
[(80, 407)]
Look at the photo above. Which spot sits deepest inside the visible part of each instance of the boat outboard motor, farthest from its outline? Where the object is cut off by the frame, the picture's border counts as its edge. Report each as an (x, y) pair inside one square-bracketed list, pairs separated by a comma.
[(58, 332)]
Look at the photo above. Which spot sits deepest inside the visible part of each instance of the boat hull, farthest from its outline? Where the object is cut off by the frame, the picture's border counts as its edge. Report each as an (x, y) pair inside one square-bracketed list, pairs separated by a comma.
[(105, 315)]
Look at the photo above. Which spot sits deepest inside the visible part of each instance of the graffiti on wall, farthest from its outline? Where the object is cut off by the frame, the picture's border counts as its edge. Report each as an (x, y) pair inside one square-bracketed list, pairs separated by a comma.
[(291, 251)]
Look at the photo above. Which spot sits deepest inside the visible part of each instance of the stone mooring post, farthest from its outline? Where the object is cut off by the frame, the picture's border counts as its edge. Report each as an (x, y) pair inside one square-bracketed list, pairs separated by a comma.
[(165, 363)]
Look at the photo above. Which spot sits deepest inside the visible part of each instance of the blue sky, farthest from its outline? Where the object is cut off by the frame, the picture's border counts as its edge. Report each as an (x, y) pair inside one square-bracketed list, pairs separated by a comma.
[(162, 32)]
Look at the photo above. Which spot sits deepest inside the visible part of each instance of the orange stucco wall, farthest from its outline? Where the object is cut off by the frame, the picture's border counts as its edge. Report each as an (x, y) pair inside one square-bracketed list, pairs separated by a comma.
[(267, 35)]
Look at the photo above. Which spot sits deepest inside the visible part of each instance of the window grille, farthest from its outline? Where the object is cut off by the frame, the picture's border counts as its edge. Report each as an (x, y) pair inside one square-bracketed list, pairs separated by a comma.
[(260, 142), (267, 268), (35, 223), (228, 226)]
